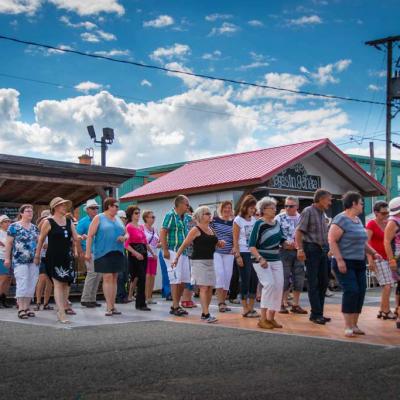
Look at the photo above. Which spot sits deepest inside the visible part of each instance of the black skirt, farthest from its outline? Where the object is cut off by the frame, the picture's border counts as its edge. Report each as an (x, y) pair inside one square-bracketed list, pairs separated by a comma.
[(110, 263)]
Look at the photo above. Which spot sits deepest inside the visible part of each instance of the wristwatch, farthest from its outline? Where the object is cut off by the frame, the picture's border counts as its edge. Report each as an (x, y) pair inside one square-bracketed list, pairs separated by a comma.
[(259, 259)]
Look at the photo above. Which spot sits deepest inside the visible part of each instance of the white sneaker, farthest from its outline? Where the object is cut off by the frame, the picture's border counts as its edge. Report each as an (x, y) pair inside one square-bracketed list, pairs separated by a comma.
[(211, 319), (328, 293)]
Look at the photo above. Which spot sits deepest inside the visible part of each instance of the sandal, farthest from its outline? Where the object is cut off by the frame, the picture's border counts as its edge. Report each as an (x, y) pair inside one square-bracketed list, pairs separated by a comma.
[(349, 333), (358, 331), (227, 308), (253, 314), (22, 314), (62, 320), (37, 307), (116, 312), (30, 313), (192, 304), (48, 307), (222, 307), (186, 304), (386, 315), (70, 311), (109, 313)]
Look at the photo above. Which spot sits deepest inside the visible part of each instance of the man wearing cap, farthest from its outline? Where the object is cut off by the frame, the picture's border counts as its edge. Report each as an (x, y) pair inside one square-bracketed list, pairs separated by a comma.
[(93, 279)]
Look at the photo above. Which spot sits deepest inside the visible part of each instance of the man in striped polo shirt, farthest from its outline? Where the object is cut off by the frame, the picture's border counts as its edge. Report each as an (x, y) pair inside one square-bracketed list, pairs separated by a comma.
[(173, 232)]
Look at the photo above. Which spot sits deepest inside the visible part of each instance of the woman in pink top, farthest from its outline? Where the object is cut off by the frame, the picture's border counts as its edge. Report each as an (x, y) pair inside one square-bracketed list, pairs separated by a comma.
[(137, 247)]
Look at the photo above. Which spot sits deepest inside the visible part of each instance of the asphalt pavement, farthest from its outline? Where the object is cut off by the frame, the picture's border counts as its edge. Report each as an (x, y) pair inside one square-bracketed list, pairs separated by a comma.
[(167, 360)]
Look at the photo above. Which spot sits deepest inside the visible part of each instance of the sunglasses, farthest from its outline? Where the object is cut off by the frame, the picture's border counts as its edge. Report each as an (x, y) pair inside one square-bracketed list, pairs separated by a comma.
[(93, 208), (115, 205), (152, 217), (289, 206), (207, 213), (136, 212), (384, 212)]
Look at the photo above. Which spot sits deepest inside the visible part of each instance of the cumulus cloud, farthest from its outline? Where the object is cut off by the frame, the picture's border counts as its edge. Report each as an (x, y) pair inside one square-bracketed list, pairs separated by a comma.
[(98, 36), (20, 6), (175, 51), (84, 24), (215, 17), (161, 21), (256, 23), (88, 86), (215, 55), (90, 7), (33, 50), (258, 61), (375, 88), (145, 82), (325, 73), (305, 21), (226, 29)]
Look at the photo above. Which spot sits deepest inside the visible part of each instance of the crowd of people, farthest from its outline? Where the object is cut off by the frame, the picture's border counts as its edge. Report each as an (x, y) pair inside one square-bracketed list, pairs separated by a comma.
[(257, 253)]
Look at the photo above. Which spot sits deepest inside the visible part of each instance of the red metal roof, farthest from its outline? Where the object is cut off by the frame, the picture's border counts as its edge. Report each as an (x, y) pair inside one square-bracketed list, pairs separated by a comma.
[(233, 170)]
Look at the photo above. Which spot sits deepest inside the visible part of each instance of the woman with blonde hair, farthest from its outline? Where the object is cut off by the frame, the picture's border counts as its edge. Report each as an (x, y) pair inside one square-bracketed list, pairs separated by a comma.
[(205, 242), (223, 257)]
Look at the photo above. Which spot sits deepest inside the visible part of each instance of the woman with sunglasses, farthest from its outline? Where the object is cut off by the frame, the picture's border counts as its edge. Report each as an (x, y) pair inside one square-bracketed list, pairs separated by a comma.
[(108, 233), (153, 240), (138, 248), (62, 237), (20, 248), (205, 242), (375, 231)]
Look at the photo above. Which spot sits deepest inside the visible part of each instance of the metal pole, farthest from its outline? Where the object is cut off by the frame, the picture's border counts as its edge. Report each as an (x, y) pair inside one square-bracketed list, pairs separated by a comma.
[(103, 152), (372, 168), (388, 165)]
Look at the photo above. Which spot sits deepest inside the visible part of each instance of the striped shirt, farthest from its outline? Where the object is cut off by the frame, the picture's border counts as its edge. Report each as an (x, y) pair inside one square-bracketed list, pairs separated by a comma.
[(177, 228), (266, 239), (223, 230)]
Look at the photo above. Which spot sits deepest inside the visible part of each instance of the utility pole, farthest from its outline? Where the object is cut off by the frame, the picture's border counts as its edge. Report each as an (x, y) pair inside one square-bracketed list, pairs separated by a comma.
[(388, 42), (372, 168)]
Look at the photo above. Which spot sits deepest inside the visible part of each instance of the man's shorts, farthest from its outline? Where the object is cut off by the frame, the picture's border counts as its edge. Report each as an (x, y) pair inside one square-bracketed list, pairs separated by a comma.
[(181, 272)]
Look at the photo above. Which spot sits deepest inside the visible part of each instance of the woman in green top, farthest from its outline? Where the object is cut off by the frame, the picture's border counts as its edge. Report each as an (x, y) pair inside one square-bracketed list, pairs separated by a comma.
[(265, 241)]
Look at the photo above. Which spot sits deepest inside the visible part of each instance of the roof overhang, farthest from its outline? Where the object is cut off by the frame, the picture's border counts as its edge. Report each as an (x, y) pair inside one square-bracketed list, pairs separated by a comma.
[(37, 181), (326, 151)]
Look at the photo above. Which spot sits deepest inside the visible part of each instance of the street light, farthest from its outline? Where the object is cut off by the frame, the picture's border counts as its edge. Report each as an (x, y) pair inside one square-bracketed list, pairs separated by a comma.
[(107, 138)]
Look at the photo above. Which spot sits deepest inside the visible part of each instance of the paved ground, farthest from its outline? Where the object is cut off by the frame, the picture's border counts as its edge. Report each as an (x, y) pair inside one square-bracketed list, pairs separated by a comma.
[(169, 360)]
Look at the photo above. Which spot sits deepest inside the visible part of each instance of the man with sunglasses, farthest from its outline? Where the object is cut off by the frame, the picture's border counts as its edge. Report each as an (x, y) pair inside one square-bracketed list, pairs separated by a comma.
[(174, 230), (292, 266), (92, 279)]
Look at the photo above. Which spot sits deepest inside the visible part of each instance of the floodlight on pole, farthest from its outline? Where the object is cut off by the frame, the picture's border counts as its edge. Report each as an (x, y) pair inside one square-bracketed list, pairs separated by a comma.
[(107, 138)]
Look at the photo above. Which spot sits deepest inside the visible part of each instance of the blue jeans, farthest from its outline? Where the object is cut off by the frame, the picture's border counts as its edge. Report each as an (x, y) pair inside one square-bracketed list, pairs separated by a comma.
[(166, 288), (317, 275), (248, 277), (354, 284)]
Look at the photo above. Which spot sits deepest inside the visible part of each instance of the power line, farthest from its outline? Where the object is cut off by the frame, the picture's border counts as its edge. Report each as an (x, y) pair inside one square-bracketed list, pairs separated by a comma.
[(164, 69)]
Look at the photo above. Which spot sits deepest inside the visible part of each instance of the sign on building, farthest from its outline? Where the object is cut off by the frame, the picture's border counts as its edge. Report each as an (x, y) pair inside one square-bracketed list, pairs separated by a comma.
[(295, 178)]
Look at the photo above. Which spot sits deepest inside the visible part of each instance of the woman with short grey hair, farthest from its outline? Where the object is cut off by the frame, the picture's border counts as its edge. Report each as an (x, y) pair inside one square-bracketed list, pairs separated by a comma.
[(204, 242), (265, 241)]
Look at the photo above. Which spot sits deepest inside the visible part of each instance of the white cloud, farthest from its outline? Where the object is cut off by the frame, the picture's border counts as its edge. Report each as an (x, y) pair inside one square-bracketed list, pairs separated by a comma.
[(226, 29), (175, 51), (375, 88), (305, 20), (161, 21), (88, 86), (97, 36), (84, 24), (113, 53), (90, 7), (259, 61), (379, 74), (145, 82), (284, 80), (215, 55), (20, 6), (47, 52), (255, 23), (215, 17), (325, 73), (60, 46)]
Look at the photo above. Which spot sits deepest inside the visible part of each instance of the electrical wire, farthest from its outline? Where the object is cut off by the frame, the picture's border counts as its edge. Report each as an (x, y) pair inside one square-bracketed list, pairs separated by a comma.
[(164, 69)]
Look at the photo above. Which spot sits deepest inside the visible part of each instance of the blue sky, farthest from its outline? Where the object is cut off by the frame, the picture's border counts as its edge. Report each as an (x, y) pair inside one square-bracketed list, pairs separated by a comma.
[(313, 45)]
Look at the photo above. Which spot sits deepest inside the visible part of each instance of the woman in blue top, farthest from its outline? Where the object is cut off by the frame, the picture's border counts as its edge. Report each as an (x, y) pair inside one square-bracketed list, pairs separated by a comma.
[(265, 241), (107, 231), (348, 243)]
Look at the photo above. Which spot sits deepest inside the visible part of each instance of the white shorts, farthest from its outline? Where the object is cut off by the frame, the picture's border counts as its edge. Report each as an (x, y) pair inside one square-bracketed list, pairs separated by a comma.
[(26, 277), (223, 264), (181, 273)]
